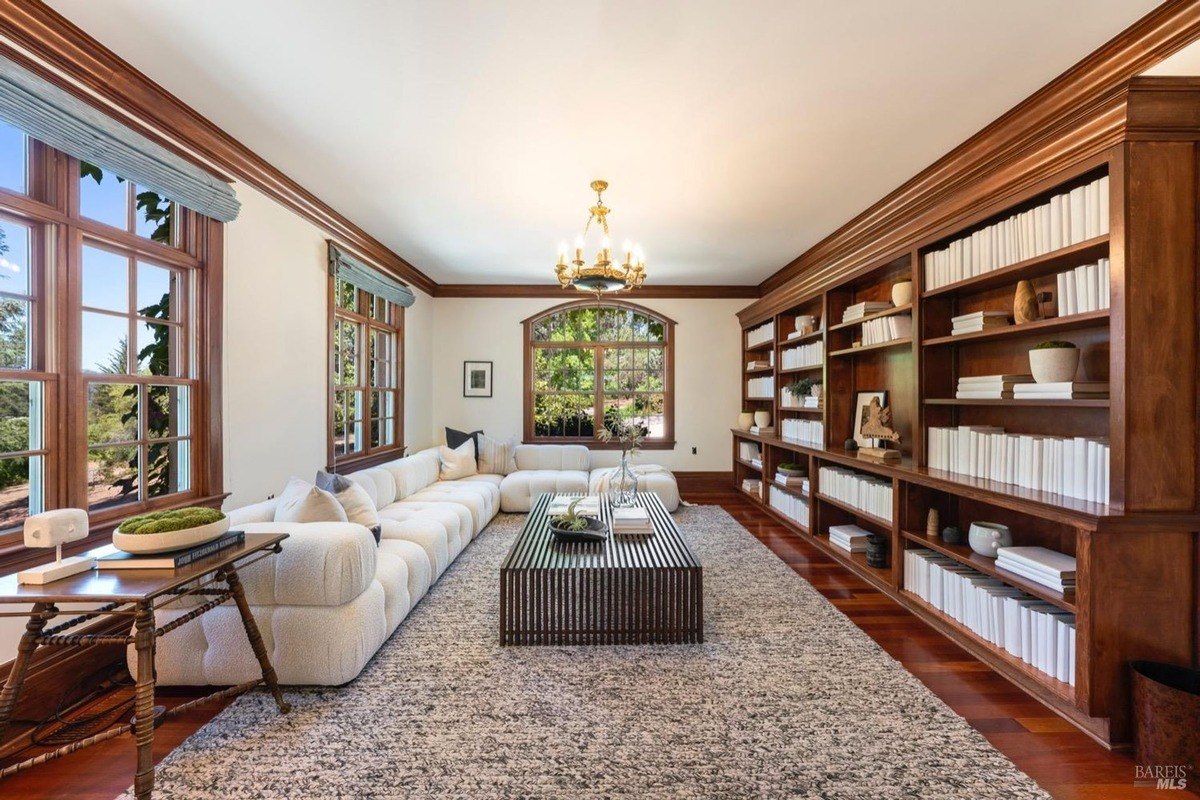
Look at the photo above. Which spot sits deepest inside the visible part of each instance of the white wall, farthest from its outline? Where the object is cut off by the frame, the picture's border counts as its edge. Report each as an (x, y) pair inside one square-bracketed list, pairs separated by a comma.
[(276, 367), (707, 392)]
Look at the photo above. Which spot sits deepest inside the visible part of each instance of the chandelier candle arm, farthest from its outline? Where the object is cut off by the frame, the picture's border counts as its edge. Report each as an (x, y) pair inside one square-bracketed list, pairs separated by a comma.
[(603, 276)]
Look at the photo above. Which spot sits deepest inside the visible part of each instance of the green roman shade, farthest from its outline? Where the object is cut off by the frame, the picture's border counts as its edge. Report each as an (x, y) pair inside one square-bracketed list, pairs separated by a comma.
[(63, 121), (345, 266)]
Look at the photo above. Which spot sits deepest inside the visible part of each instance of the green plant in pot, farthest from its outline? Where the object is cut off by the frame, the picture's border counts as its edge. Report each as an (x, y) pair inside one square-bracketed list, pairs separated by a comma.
[(572, 522), (1054, 362), (173, 529), (792, 469), (805, 387)]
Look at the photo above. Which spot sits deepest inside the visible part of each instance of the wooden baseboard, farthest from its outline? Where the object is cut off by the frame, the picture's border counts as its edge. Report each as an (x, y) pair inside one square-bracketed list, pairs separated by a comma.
[(704, 482)]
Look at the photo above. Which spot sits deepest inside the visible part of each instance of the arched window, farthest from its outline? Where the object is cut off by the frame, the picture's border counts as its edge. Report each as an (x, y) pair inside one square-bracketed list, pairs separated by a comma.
[(595, 361)]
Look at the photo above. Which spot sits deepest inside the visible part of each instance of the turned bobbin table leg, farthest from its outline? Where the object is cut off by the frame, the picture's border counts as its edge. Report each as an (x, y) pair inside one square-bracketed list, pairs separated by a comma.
[(143, 723), (38, 617), (256, 643)]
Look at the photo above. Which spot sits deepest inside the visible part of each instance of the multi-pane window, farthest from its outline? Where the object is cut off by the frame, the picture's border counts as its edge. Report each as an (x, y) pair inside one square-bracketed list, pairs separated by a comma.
[(595, 361), (99, 342), (366, 414)]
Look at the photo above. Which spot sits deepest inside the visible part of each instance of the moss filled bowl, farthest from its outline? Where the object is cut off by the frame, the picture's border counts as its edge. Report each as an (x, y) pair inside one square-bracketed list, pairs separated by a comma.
[(164, 531)]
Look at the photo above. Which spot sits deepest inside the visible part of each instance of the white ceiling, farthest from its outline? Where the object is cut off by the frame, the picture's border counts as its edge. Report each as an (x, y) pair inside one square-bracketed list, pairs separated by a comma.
[(735, 134)]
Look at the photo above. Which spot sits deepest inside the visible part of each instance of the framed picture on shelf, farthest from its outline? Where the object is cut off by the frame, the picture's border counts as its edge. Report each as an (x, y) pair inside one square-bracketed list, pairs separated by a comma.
[(862, 401), (477, 379)]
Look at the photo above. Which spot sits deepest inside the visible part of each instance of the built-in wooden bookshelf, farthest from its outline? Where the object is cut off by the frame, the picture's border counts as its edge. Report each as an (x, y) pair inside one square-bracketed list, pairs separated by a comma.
[(1137, 553)]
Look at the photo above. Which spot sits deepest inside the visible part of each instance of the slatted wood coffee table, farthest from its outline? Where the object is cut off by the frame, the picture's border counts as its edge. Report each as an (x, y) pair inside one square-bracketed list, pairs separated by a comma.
[(626, 590)]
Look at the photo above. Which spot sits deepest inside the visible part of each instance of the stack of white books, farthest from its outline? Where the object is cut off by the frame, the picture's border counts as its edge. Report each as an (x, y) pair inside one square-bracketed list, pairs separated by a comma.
[(989, 387), (790, 506), (1066, 219), (761, 387), (811, 431), (631, 521), (589, 505), (1084, 289), (797, 483), (760, 335), (749, 451), (804, 355), (1066, 390), (978, 321), (1046, 567), (886, 329), (1076, 467), (864, 309), (1039, 633), (753, 486), (756, 365), (850, 538), (868, 493)]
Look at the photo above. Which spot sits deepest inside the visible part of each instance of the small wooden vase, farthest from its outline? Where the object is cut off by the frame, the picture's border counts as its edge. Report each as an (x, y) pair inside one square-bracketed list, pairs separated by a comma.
[(1025, 305)]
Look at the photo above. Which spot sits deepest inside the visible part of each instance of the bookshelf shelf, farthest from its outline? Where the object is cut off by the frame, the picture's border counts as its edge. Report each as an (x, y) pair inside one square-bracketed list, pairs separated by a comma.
[(857, 512), (963, 554), (765, 399), (887, 312), (1074, 322), (758, 370), (809, 368), (767, 345), (857, 562), (792, 492), (808, 337), (1029, 268), (868, 348), (800, 410), (749, 466), (1021, 402)]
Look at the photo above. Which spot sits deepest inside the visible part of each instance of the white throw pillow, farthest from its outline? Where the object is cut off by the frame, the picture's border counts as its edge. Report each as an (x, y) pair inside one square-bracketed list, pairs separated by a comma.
[(459, 462), (497, 457), (300, 501), (353, 499)]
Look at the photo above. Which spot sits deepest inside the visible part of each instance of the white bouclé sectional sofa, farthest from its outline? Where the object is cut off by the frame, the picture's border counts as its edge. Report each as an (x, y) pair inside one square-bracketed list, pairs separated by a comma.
[(327, 603)]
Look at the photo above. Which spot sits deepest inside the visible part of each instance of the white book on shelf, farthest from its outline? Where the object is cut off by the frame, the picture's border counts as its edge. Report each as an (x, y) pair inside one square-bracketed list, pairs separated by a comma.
[(1078, 215), (1042, 559), (1102, 193), (1071, 652), (1091, 201), (1105, 282), (1060, 297), (1093, 285), (1056, 226), (1072, 292)]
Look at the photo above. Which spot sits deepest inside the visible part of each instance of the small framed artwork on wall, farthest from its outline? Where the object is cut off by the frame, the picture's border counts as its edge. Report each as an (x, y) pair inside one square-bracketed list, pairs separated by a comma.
[(477, 379)]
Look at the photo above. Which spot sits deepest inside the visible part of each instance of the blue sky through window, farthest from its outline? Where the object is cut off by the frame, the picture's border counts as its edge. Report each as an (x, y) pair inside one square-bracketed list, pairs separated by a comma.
[(13, 159)]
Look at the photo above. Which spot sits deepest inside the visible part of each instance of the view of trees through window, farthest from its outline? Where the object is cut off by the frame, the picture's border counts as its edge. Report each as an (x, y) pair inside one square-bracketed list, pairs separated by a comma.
[(598, 361), (365, 382)]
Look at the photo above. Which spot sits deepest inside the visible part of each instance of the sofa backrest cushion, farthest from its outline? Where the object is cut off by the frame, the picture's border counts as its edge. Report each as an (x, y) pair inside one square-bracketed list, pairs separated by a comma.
[(414, 473), (552, 456), (378, 483), (301, 501)]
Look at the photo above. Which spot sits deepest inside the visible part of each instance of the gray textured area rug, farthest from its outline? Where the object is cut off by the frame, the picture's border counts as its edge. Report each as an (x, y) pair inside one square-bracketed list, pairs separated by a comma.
[(786, 698)]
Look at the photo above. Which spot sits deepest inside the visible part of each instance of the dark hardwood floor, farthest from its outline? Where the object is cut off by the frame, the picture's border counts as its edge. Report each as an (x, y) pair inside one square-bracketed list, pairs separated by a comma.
[(1066, 763)]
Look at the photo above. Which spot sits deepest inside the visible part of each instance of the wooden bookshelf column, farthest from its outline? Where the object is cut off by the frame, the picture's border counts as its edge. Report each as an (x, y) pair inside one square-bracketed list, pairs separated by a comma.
[(1137, 554)]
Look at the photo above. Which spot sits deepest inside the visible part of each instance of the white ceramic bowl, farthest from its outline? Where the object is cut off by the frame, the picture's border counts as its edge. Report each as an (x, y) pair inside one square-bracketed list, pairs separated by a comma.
[(986, 538), (148, 543)]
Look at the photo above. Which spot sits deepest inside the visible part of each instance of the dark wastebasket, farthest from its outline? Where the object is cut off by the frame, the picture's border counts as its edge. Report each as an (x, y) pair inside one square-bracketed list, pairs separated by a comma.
[(1166, 710)]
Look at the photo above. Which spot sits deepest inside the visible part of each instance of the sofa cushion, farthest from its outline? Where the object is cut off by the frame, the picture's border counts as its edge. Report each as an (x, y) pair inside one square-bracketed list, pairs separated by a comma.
[(353, 498), (457, 462), (497, 456), (455, 439), (391, 572), (518, 490), (300, 501), (455, 517), (378, 483), (475, 497), (420, 571), (320, 564), (413, 473), (651, 478), (552, 456), (426, 533)]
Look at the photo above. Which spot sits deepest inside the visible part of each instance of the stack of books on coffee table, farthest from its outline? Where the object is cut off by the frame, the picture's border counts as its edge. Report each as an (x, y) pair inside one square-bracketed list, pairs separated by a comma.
[(631, 522)]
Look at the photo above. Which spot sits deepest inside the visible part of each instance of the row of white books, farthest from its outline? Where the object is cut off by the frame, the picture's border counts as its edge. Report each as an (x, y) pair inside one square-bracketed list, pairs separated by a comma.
[(1066, 219), (1041, 565), (763, 333), (1039, 633), (886, 329), (791, 506), (1073, 467), (761, 387), (805, 355), (865, 309), (810, 431), (749, 451), (867, 493), (989, 387), (789, 400), (978, 321), (1084, 289), (850, 538)]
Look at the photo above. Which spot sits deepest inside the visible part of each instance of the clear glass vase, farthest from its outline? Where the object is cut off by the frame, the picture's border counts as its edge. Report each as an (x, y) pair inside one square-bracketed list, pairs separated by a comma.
[(622, 485)]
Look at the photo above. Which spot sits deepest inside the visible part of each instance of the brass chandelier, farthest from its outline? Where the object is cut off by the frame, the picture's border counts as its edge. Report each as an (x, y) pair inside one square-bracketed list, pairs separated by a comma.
[(604, 275)]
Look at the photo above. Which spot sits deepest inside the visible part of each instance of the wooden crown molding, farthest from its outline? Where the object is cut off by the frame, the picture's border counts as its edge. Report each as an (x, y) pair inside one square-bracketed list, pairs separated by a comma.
[(654, 292), (1077, 115), (38, 37)]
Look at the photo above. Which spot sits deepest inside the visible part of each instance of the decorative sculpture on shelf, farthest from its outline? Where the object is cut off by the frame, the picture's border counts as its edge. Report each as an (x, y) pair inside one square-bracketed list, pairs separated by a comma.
[(876, 423), (54, 529), (931, 523), (1025, 303)]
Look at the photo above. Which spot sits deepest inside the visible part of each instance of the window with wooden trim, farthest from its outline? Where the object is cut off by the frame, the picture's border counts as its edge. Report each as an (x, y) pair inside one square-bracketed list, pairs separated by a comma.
[(105, 332), (598, 361), (366, 401)]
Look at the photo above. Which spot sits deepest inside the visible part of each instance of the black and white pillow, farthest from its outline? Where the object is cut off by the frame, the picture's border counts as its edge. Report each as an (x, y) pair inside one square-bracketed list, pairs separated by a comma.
[(454, 440)]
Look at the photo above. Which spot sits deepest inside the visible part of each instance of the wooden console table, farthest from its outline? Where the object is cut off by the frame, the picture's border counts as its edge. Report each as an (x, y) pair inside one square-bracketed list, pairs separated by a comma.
[(626, 590), (136, 594)]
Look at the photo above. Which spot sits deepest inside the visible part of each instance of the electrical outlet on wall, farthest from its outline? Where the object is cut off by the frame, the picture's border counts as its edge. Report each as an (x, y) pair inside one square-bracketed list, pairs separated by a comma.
[(693, 451)]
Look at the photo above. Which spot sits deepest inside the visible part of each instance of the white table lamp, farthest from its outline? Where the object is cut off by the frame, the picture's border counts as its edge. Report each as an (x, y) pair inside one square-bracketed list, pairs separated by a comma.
[(54, 529)]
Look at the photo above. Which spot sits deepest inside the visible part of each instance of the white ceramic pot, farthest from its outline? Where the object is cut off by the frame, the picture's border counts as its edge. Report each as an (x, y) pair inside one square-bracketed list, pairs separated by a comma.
[(745, 420), (806, 323), (1054, 364), (902, 293), (762, 419), (988, 537), (815, 391), (147, 543)]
